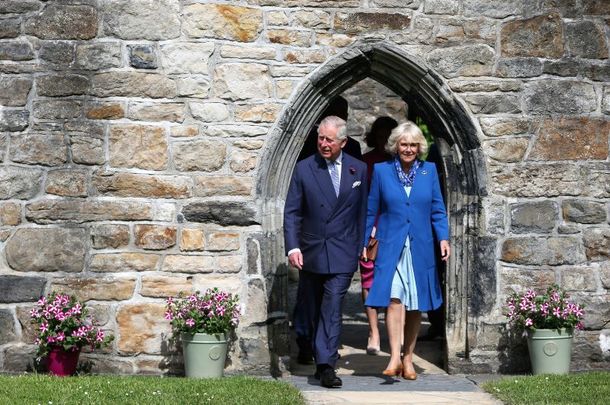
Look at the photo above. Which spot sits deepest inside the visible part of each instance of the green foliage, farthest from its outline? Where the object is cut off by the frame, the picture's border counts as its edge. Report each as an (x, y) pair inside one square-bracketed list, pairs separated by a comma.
[(426, 131), (578, 388), (39, 389)]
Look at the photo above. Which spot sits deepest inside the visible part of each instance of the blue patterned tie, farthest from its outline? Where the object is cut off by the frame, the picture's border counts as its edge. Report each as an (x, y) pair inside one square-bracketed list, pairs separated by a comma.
[(334, 176)]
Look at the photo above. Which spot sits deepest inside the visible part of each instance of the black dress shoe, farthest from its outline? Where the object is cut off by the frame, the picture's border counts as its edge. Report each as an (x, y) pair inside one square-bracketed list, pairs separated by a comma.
[(329, 379)]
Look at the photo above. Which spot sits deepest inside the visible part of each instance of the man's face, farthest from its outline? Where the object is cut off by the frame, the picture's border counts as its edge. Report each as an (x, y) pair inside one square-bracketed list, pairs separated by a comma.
[(328, 145)]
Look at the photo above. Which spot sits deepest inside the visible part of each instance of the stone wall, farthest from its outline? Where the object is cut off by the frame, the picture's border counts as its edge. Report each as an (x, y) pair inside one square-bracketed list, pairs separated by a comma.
[(132, 136)]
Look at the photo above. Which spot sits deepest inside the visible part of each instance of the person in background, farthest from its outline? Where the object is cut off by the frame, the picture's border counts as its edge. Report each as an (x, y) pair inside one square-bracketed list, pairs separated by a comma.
[(376, 138), (405, 193), (323, 227)]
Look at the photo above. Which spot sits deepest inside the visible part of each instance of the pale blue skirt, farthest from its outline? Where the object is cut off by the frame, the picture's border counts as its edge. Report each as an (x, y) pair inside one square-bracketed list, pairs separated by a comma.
[(404, 287)]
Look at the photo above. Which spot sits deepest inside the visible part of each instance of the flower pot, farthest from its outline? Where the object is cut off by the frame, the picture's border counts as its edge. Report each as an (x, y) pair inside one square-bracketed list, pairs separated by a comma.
[(62, 362), (550, 350), (204, 354)]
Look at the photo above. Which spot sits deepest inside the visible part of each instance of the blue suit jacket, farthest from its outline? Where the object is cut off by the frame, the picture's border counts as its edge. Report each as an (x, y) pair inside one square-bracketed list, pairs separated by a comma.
[(328, 229), (400, 217)]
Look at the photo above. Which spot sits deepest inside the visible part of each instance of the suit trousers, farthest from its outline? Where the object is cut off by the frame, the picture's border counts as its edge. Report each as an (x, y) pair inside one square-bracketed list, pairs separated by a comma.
[(303, 317), (326, 293)]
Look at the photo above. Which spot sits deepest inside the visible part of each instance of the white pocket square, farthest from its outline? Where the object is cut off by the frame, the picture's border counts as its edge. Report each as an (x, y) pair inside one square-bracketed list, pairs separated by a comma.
[(356, 184)]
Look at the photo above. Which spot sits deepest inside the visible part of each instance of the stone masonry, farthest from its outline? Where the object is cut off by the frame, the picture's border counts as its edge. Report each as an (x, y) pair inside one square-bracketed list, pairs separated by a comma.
[(133, 135)]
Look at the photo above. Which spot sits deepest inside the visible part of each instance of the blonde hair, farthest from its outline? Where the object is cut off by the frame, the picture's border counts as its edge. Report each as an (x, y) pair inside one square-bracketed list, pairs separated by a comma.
[(409, 132)]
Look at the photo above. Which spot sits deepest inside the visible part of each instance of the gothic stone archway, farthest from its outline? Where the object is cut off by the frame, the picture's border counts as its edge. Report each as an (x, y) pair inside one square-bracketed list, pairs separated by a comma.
[(469, 269)]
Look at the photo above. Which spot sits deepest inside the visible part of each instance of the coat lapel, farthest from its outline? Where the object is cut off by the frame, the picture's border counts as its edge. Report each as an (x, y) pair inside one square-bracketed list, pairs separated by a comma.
[(322, 177)]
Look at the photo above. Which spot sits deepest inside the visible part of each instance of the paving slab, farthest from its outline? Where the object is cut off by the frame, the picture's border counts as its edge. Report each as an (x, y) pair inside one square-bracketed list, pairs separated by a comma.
[(363, 382)]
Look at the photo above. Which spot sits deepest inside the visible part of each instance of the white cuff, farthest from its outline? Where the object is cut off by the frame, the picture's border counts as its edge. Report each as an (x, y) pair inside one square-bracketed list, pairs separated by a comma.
[(291, 251)]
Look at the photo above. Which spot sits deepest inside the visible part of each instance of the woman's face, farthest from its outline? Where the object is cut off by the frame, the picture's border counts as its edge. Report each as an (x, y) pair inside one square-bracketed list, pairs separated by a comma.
[(407, 151)]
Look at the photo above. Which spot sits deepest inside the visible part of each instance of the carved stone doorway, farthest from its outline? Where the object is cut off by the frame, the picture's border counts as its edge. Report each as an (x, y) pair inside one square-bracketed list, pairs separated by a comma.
[(427, 96)]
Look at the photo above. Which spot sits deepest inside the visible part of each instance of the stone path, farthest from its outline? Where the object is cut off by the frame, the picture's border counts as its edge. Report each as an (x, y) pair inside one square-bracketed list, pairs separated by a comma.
[(364, 384)]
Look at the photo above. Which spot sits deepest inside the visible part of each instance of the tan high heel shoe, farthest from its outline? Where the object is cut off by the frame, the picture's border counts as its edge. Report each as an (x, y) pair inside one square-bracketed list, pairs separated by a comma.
[(408, 375), (392, 372)]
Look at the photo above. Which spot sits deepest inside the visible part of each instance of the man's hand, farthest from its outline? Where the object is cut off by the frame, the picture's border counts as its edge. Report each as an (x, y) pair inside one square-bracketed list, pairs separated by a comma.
[(445, 250), (296, 259)]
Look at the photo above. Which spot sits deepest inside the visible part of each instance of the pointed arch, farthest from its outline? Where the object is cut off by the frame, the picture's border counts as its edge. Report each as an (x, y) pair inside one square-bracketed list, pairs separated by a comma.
[(427, 93)]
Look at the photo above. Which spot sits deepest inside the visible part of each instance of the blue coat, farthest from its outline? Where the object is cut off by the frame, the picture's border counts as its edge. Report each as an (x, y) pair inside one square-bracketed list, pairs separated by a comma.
[(328, 229), (400, 217)]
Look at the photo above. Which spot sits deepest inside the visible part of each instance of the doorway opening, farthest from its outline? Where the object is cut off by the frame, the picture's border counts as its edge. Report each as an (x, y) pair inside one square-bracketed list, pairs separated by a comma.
[(462, 164)]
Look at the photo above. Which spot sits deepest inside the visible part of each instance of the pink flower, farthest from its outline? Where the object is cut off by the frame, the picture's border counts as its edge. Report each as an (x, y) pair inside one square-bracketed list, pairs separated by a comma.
[(580, 326), (557, 312), (555, 296), (168, 315), (524, 304), (99, 336), (529, 322), (60, 336), (44, 327), (190, 322)]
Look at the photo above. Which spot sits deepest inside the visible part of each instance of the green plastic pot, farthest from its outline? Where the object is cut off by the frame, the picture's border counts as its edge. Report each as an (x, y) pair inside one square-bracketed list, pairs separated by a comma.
[(204, 354), (550, 350)]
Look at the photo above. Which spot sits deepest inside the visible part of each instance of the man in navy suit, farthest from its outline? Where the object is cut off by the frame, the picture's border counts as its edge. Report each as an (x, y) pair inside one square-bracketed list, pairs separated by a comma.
[(323, 227)]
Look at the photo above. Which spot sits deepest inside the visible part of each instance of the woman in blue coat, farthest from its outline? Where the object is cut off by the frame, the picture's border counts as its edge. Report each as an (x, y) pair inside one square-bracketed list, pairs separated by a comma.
[(407, 194)]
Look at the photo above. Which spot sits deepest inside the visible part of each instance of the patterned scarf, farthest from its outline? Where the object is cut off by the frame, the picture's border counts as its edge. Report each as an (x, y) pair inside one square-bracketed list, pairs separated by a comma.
[(406, 179)]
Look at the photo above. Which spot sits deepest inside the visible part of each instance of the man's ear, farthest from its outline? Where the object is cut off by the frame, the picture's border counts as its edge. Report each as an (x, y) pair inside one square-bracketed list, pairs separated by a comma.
[(343, 143)]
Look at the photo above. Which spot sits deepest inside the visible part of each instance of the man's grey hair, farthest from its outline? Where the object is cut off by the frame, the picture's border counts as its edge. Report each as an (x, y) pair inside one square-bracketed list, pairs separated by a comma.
[(335, 122)]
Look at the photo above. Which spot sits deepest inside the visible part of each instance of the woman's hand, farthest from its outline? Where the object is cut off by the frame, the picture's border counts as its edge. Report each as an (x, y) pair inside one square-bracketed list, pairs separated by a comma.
[(363, 257), (445, 250)]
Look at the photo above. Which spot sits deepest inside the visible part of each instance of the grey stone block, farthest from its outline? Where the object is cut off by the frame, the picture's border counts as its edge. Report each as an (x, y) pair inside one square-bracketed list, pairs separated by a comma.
[(222, 213), (21, 289), (142, 57), (536, 217)]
